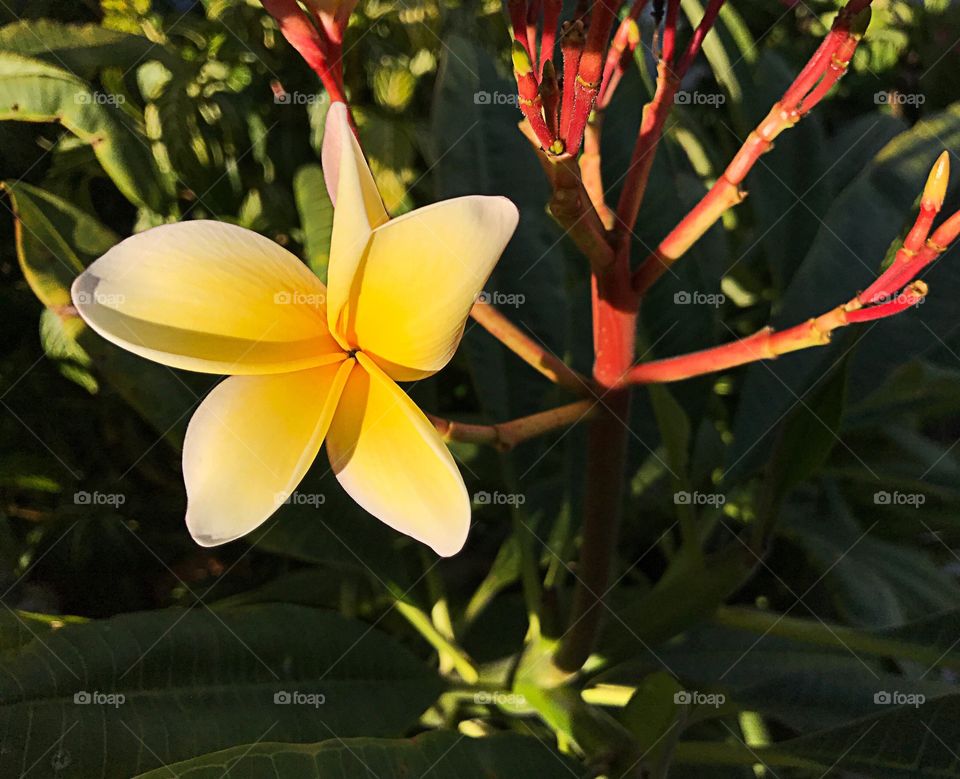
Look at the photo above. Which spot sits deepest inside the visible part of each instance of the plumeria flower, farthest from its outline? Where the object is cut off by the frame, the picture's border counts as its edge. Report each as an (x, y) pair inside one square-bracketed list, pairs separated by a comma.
[(309, 363)]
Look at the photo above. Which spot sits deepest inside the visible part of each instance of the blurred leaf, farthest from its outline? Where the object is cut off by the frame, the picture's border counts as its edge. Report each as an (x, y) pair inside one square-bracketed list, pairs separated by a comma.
[(82, 49), (32, 91), (194, 681), (55, 241), (316, 217), (443, 755)]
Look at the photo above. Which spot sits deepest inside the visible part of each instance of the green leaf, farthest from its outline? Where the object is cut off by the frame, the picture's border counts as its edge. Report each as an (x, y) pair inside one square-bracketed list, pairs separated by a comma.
[(55, 241), (902, 742), (196, 681), (438, 754), (82, 49), (810, 433), (316, 217), (33, 91), (691, 590)]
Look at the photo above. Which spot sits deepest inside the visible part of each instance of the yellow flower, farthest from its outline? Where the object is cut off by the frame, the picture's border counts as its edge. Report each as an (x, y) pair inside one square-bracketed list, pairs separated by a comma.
[(308, 362)]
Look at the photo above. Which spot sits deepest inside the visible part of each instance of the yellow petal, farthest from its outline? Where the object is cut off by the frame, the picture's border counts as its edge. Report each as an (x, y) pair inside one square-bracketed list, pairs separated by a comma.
[(419, 279), (210, 297), (250, 443), (357, 210), (391, 460)]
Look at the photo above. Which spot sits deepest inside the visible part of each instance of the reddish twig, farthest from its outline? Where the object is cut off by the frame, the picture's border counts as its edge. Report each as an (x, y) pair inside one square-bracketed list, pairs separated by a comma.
[(768, 344), (917, 251), (506, 435), (531, 103), (811, 85), (548, 39), (587, 82), (571, 46)]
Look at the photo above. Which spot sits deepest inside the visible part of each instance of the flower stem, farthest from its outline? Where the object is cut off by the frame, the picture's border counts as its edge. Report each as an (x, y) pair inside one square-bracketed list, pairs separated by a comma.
[(527, 349), (614, 322), (767, 344), (506, 435), (445, 648)]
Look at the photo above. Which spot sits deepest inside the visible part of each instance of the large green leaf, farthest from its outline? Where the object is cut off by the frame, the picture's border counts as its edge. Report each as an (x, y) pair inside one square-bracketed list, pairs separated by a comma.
[(440, 755), (902, 741), (196, 681), (33, 91)]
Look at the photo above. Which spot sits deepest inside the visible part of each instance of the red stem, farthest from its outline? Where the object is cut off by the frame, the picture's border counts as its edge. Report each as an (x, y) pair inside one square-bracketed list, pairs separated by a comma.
[(571, 46), (670, 32), (548, 39), (587, 82)]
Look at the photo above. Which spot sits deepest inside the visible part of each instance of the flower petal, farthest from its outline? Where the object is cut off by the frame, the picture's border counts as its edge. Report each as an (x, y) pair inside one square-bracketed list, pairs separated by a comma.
[(391, 460), (210, 297), (420, 278), (358, 208), (249, 445)]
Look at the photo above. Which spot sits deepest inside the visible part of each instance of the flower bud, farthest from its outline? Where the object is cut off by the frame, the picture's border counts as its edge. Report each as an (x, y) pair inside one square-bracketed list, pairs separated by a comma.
[(521, 60), (936, 187)]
